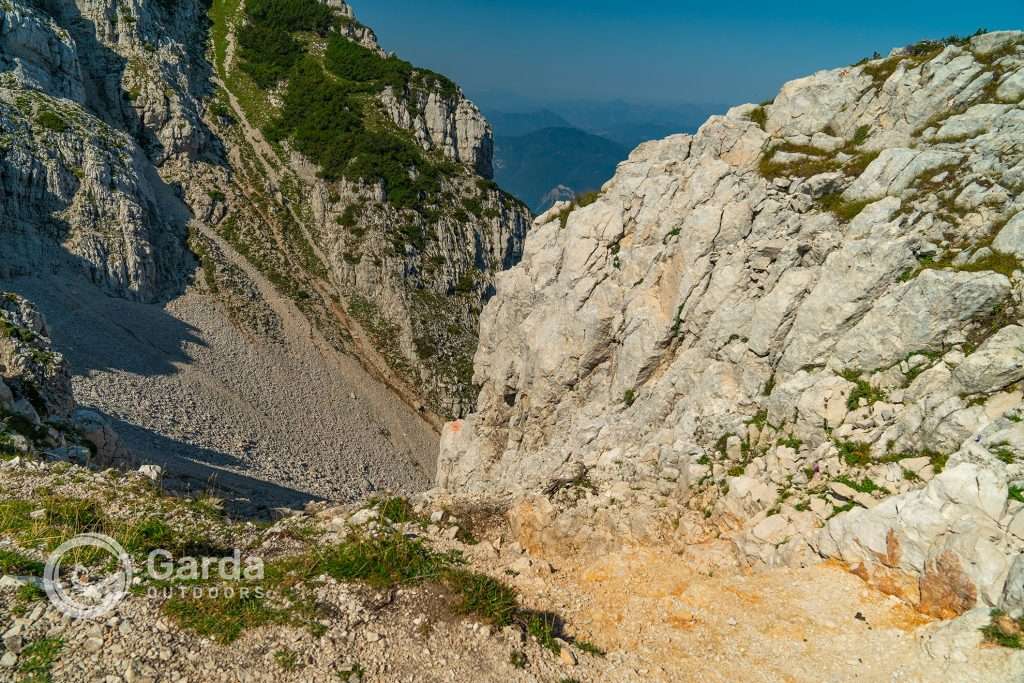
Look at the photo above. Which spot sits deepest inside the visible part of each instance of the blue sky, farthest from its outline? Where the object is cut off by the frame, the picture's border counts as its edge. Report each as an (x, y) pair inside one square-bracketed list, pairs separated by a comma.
[(659, 50)]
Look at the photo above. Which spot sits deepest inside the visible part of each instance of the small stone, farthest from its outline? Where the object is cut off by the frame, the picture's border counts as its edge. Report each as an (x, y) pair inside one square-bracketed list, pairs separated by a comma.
[(522, 565), (842, 490), (37, 514), (8, 660), (93, 645), (1007, 626), (8, 581), (363, 517), (13, 643), (567, 656), (152, 472)]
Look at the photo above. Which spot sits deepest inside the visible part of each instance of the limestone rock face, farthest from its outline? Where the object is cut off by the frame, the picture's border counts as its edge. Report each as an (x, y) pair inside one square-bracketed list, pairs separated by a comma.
[(80, 191), (945, 547), (39, 53), (119, 144), (818, 300), (448, 123), (37, 405), (29, 365)]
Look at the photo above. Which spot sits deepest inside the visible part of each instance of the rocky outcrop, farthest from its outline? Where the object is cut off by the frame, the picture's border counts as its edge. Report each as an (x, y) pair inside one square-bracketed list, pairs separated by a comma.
[(802, 309), (449, 123), (945, 547), (39, 53), (31, 368), (78, 190), (38, 413)]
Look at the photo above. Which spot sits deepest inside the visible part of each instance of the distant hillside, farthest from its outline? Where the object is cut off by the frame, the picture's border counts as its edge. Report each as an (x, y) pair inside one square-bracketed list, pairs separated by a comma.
[(531, 166), (524, 123), (630, 124)]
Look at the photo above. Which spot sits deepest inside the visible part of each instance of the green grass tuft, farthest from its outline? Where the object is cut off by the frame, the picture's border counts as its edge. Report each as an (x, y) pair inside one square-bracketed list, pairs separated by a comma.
[(16, 564), (1004, 631), (862, 390), (865, 485), (843, 209), (854, 454), (759, 116), (36, 661)]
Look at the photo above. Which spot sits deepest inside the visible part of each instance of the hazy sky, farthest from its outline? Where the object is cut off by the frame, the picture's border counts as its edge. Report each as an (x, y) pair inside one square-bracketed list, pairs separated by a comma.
[(659, 50)]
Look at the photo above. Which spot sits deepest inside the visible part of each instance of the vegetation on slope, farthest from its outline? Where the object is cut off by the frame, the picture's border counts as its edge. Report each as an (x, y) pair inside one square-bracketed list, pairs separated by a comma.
[(326, 114)]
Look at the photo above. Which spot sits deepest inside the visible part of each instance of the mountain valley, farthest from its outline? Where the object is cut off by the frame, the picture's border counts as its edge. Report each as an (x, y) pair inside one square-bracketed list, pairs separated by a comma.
[(742, 404)]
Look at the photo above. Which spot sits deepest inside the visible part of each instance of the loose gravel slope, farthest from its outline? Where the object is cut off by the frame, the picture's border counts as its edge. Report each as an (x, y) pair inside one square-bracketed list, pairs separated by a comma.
[(215, 402)]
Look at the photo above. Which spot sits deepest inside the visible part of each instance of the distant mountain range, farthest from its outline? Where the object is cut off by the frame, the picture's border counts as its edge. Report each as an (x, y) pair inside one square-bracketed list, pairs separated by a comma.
[(544, 153), (550, 164)]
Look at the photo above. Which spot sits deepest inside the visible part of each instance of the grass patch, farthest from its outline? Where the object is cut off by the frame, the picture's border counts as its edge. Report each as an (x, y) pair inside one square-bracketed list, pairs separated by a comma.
[(840, 509), (329, 114), (815, 162), (759, 116), (913, 56), (63, 517), (996, 261), (1004, 631), (484, 597), (861, 135), (585, 199), (937, 460), (384, 561), (51, 120), (987, 326), (865, 485), (287, 659), (843, 209), (397, 510), (224, 618), (854, 453), (16, 564), (790, 442), (861, 390), (860, 163), (36, 661), (1004, 453)]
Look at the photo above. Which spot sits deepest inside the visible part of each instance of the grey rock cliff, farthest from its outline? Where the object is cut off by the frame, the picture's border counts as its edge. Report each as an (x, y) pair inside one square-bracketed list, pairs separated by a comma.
[(79, 190), (411, 283), (801, 296), (38, 412), (120, 142)]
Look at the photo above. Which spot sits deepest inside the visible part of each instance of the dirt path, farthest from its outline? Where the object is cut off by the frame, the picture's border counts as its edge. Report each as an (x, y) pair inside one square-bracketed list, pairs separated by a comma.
[(660, 620)]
